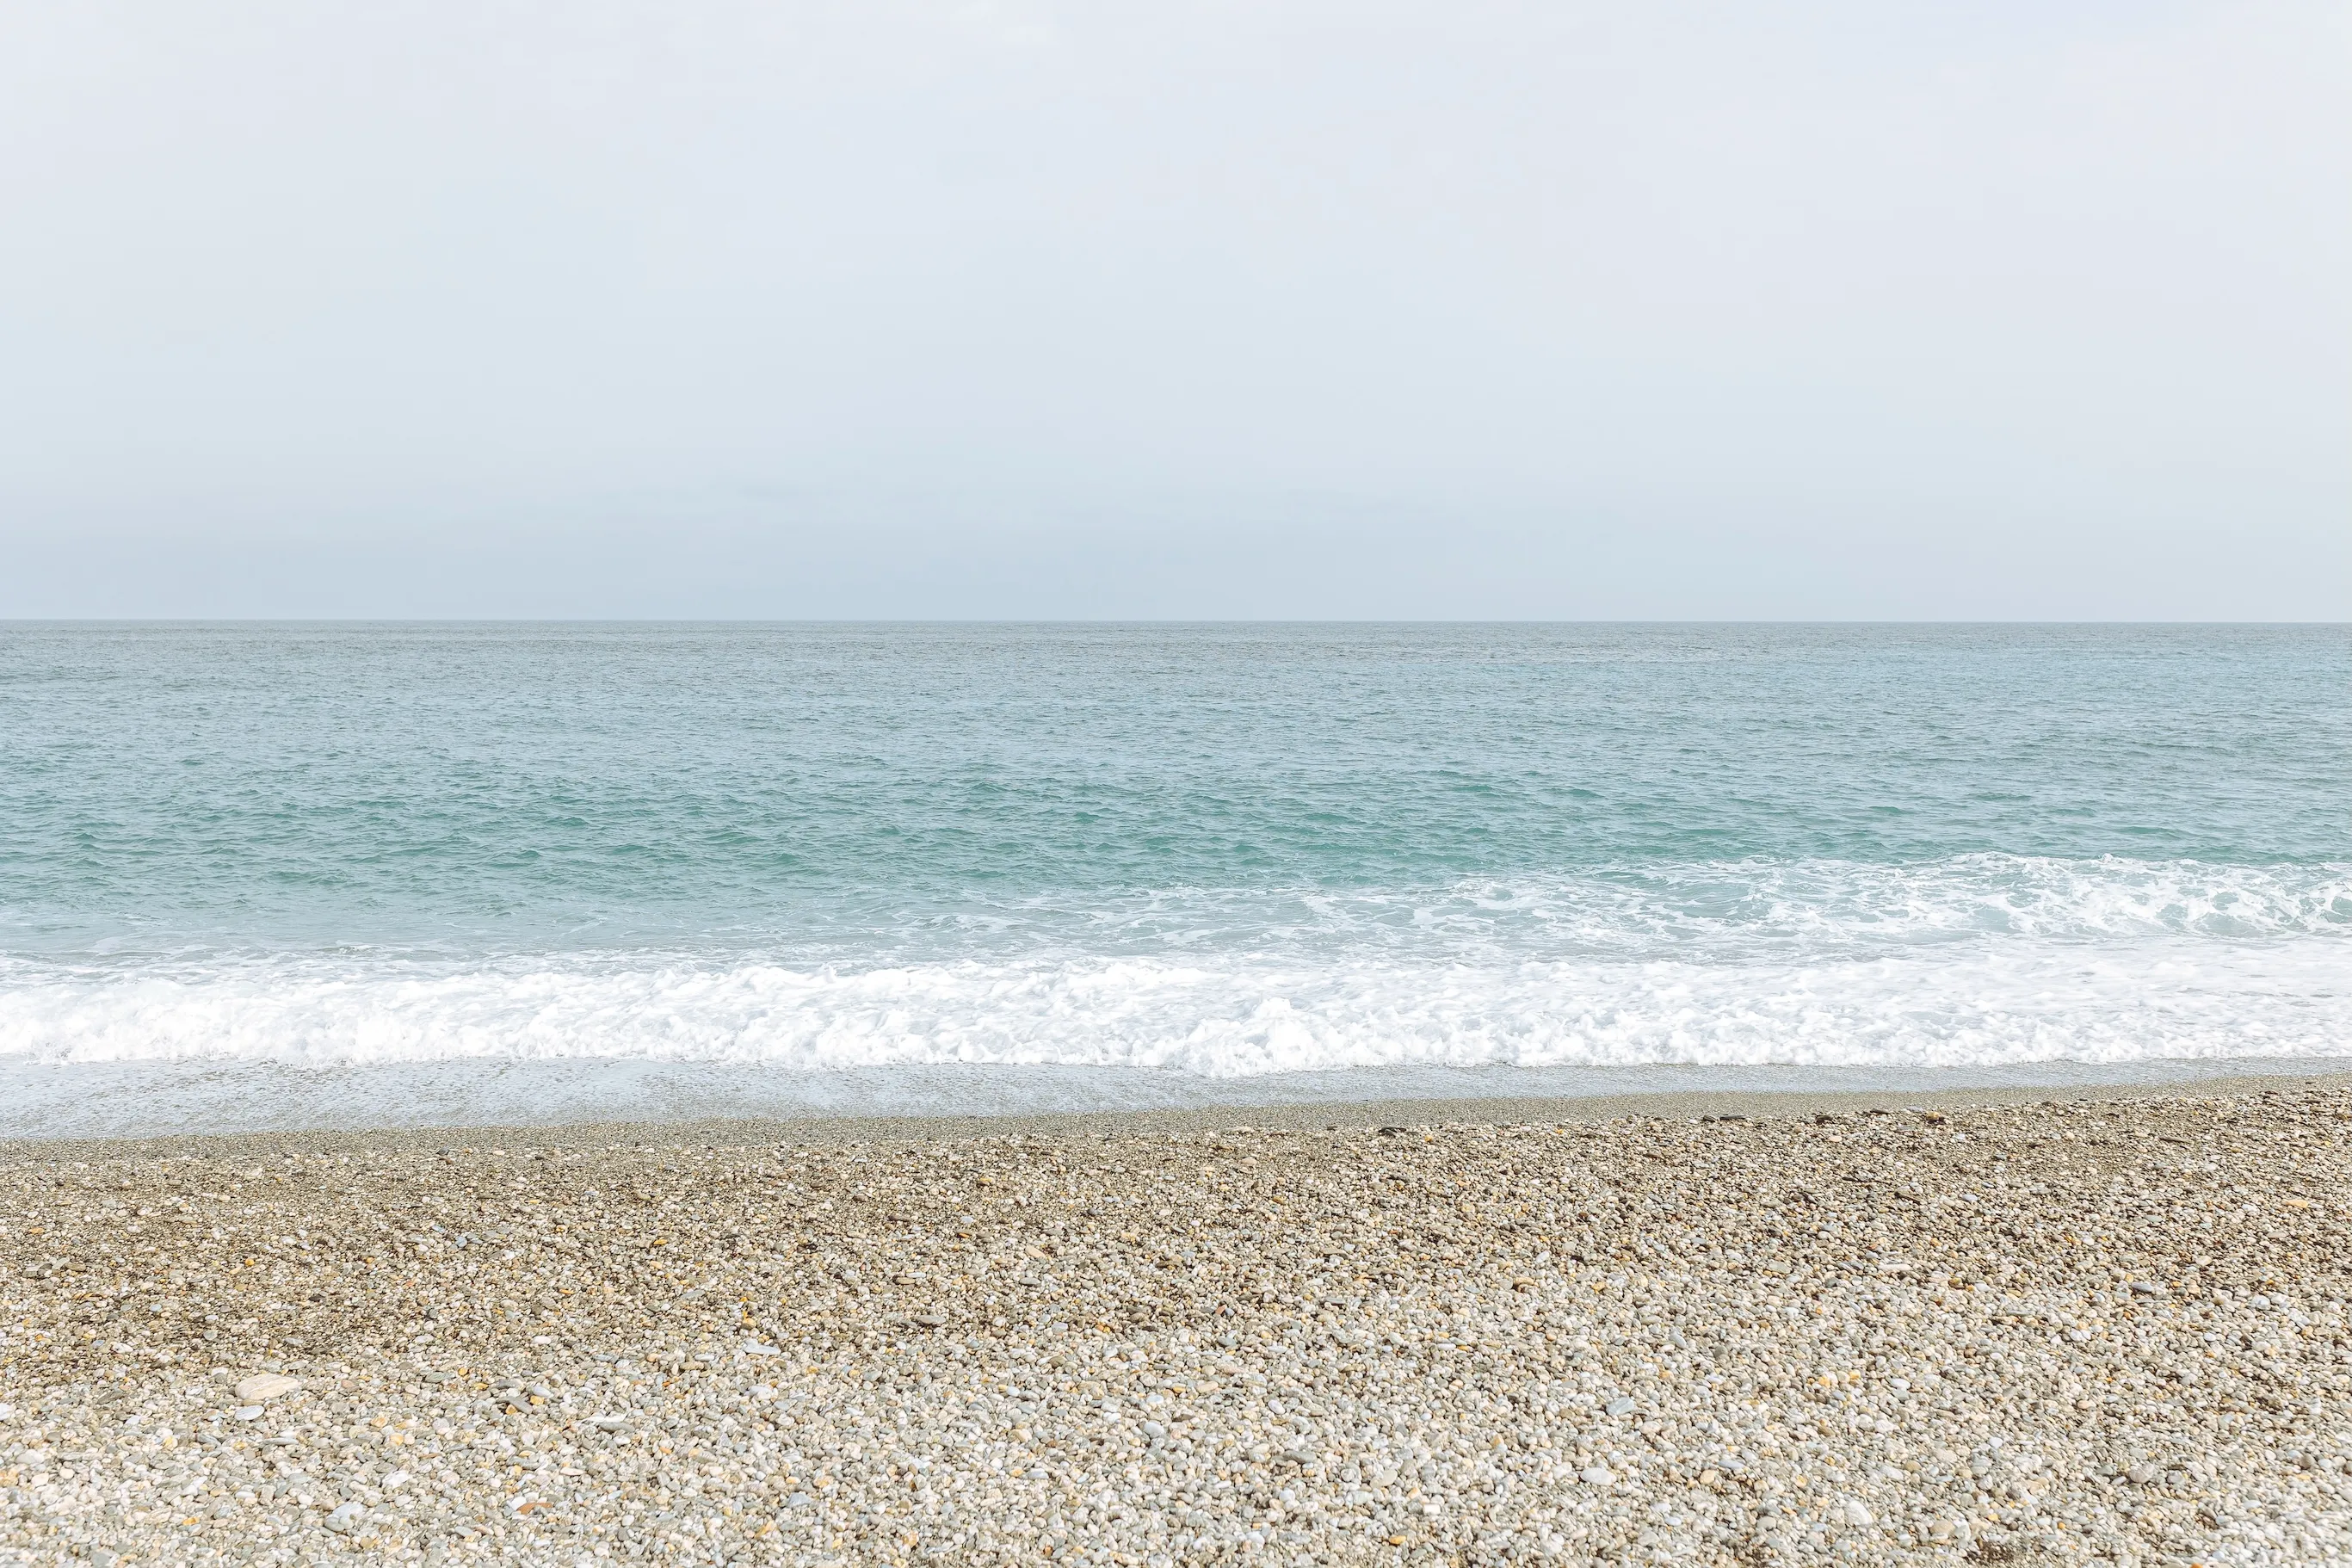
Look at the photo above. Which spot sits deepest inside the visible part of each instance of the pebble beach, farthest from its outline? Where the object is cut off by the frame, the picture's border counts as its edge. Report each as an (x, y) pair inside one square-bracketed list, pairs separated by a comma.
[(2091, 1331)]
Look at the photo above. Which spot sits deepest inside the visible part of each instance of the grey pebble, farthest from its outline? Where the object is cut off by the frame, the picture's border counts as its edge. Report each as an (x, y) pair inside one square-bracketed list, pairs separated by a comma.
[(1341, 1346)]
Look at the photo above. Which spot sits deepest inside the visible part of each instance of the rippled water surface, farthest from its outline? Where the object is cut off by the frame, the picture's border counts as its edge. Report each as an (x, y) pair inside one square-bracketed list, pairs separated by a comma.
[(1220, 852)]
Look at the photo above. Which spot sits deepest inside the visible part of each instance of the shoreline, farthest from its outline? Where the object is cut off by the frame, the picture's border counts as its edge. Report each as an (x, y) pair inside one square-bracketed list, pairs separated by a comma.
[(1754, 1105), (1725, 1330)]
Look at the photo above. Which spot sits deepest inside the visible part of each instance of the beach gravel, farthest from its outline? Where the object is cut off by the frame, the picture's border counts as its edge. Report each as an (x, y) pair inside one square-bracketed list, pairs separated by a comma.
[(2086, 1331)]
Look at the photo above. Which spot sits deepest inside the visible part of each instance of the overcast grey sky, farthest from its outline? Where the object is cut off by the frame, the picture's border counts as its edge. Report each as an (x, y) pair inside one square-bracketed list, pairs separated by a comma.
[(1292, 308)]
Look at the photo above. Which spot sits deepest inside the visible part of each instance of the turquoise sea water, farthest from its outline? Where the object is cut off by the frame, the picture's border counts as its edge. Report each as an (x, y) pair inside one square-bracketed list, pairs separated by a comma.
[(1217, 853)]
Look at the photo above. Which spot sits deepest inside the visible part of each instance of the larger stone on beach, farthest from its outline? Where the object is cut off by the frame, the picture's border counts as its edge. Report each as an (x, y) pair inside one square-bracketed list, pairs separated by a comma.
[(264, 1386)]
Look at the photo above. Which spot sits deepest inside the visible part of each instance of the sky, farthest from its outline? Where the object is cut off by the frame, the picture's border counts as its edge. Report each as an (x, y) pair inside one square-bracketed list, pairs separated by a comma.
[(1288, 308)]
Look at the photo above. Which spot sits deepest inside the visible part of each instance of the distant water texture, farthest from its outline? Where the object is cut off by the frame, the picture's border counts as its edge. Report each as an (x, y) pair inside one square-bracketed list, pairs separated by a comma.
[(341, 870)]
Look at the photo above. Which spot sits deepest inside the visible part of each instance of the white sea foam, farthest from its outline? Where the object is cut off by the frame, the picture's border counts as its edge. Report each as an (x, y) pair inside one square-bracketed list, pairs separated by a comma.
[(1999, 1005), (1987, 961), (1751, 910)]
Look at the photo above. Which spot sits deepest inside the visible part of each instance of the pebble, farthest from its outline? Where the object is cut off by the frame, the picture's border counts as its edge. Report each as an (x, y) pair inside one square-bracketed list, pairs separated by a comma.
[(1864, 1338)]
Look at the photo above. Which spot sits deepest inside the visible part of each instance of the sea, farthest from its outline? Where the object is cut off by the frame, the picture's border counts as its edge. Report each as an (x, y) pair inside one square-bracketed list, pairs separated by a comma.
[(339, 875)]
